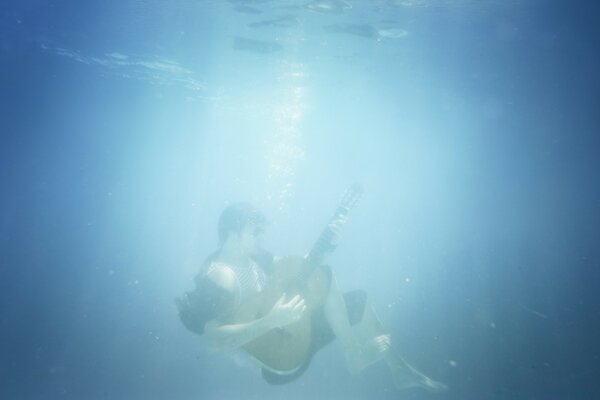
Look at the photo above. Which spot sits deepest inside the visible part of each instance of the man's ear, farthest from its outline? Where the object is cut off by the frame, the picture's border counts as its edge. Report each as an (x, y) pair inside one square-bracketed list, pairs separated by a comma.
[(232, 237), (235, 237)]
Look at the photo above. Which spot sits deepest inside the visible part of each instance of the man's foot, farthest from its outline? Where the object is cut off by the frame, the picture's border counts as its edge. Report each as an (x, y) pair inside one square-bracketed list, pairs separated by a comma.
[(358, 357), (406, 377), (433, 386)]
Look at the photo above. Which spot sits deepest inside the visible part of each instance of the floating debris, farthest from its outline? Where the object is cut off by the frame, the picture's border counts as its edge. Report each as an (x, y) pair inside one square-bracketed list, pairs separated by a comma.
[(282, 22), (368, 31), (329, 6)]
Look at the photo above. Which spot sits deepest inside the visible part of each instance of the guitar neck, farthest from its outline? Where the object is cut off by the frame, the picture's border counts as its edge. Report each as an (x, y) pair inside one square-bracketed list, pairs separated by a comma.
[(326, 242)]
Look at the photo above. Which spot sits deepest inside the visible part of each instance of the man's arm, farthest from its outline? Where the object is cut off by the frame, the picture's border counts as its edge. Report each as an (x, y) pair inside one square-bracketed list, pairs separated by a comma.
[(228, 336)]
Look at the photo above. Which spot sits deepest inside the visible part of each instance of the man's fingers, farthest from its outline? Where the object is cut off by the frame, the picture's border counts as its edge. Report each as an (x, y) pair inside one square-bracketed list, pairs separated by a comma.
[(382, 343), (384, 339), (300, 306), (294, 301)]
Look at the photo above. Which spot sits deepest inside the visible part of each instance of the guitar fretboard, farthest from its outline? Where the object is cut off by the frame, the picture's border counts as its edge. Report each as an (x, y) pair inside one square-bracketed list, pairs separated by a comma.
[(326, 242)]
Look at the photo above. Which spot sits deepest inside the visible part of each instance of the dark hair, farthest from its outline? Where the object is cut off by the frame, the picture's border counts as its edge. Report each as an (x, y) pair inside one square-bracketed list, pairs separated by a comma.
[(204, 303), (235, 217)]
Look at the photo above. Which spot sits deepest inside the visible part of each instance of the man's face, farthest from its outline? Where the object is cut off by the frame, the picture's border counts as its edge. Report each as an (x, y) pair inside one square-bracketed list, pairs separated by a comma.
[(250, 238)]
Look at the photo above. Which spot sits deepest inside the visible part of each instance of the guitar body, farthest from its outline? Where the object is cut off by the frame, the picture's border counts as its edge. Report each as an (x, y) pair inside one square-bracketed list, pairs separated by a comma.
[(284, 349), (287, 348)]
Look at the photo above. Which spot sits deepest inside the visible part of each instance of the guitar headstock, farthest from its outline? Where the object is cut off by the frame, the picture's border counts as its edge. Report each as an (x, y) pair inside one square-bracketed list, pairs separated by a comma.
[(351, 196), (326, 241)]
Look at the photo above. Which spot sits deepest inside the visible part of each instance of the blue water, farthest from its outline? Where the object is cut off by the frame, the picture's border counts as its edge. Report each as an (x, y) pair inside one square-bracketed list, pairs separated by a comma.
[(127, 126)]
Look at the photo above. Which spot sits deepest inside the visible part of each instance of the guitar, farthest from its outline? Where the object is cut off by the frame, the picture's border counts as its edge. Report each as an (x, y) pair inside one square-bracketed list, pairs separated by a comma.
[(285, 349)]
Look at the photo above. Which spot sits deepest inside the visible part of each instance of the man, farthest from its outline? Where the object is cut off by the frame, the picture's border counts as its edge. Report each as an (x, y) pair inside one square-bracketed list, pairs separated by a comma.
[(240, 270)]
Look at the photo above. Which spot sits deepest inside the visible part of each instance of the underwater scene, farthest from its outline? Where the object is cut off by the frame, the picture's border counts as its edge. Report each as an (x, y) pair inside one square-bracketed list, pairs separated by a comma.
[(299, 199)]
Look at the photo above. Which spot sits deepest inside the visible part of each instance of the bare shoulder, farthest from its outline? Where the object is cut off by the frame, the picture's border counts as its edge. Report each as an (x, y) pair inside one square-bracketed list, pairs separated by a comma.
[(223, 276)]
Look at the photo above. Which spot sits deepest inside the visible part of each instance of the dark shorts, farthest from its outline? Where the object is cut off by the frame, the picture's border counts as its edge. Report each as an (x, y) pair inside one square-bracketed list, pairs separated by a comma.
[(321, 334)]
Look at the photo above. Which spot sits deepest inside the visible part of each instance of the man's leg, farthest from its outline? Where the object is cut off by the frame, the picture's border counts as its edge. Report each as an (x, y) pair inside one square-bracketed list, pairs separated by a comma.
[(368, 342), (405, 375), (354, 348)]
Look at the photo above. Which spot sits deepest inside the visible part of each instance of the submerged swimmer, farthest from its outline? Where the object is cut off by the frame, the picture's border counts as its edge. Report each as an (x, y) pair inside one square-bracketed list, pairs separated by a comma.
[(226, 306)]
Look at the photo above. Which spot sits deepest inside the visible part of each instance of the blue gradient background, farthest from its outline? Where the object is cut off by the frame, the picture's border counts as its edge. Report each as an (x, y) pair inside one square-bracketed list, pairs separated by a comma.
[(127, 126)]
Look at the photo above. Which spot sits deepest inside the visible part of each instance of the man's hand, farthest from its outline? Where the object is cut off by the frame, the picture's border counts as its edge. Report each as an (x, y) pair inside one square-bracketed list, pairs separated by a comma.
[(380, 344), (227, 337), (283, 313)]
